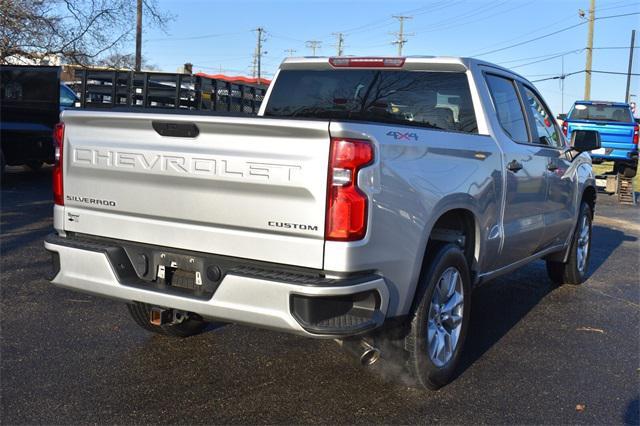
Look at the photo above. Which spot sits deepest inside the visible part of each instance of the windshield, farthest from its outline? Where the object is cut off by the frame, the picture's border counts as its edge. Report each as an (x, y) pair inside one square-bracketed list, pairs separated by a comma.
[(601, 112), (67, 97), (439, 100)]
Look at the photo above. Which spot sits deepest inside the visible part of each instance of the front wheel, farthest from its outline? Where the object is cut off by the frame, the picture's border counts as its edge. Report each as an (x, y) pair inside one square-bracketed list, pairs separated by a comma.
[(439, 324), (574, 271)]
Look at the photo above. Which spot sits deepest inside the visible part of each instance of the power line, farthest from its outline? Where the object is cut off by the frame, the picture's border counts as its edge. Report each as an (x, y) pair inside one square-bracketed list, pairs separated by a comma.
[(284, 37), (547, 59), (552, 33), (444, 4), (198, 37), (530, 40), (538, 57), (459, 21), (562, 76), (557, 55), (564, 19)]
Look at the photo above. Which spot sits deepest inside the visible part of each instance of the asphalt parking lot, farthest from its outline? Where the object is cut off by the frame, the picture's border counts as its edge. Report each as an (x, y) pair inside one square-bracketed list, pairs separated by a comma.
[(534, 352)]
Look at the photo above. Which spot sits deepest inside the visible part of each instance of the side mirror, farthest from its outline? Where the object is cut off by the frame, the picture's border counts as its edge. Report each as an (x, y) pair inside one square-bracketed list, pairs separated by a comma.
[(562, 117), (585, 140)]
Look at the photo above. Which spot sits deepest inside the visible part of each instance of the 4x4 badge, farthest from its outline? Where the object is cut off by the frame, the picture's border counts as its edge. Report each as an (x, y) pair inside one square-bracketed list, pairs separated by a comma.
[(399, 136)]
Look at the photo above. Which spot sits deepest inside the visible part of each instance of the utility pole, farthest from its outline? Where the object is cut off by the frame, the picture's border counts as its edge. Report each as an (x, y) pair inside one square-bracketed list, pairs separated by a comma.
[(290, 51), (401, 40), (254, 64), (313, 45), (257, 56), (587, 78), (633, 40), (340, 44), (139, 36)]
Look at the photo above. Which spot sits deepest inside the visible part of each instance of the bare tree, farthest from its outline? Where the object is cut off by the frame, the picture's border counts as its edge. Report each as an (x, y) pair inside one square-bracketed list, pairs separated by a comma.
[(79, 31), (124, 61)]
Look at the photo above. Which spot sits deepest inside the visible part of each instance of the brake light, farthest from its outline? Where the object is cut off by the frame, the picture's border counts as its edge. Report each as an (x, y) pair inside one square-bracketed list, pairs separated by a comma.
[(565, 127), (58, 138), (636, 130), (367, 62), (346, 217)]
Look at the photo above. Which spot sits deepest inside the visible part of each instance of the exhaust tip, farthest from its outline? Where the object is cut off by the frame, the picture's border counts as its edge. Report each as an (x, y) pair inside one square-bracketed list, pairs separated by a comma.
[(370, 357), (365, 353)]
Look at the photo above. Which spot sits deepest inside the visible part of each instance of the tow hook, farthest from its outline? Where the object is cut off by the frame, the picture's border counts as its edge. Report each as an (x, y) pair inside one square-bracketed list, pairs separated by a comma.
[(160, 316)]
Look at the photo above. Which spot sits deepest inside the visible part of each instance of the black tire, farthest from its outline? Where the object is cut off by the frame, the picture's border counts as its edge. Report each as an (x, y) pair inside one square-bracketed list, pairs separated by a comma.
[(34, 165), (572, 272), (420, 364), (190, 326), (628, 170)]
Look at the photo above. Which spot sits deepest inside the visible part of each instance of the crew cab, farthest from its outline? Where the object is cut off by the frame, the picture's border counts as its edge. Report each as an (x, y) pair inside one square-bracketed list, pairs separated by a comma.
[(363, 204), (618, 132)]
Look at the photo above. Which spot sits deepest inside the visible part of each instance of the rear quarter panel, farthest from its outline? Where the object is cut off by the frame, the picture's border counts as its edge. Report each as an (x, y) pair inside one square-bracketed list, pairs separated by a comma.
[(413, 181)]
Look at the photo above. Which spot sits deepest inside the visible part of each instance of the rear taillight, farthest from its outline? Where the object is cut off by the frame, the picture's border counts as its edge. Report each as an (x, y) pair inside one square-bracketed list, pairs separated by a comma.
[(636, 130), (58, 139), (340, 62), (346, 204), (565, 127)]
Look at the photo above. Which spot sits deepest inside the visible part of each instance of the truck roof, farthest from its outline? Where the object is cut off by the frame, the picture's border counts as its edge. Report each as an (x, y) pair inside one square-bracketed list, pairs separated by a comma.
[(610, 103), (414, 62)]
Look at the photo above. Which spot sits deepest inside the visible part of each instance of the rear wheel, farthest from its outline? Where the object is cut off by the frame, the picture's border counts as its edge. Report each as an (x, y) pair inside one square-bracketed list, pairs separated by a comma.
[(574, 271), (628, 170), (439, 324), (183, 325)]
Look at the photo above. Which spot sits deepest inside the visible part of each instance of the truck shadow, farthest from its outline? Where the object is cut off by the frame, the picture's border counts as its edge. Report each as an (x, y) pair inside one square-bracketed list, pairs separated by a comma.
[(26, 214), (605, 241), (498, 306)]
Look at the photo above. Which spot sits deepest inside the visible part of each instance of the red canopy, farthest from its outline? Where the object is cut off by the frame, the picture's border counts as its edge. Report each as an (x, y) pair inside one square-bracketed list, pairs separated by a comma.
[(235, 79)]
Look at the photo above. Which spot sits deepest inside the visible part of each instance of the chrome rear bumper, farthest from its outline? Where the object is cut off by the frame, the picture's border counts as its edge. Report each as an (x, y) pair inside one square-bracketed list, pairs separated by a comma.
[(311, 309)]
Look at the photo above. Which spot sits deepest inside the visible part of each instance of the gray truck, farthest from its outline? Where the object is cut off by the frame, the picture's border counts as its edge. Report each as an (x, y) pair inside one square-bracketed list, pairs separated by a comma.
[(364, 203)]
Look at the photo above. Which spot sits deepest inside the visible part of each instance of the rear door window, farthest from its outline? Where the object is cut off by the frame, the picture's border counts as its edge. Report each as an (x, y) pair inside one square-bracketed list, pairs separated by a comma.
[(508, 107), (439, 100)]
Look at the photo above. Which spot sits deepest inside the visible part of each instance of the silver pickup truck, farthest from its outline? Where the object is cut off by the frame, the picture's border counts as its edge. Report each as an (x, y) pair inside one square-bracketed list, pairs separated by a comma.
[(364, 202)]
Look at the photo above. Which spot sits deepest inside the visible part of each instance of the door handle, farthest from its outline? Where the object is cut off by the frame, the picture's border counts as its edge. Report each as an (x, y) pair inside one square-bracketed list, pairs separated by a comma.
[(552, 167), (514, 166)]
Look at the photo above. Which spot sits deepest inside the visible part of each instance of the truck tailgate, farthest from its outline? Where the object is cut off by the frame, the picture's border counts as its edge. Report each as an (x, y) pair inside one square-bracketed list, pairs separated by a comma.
[(244, 187), (612, 134)]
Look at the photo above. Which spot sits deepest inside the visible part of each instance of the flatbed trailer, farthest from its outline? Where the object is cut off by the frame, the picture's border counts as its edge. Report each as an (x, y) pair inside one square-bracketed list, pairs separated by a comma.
[(158, 90)]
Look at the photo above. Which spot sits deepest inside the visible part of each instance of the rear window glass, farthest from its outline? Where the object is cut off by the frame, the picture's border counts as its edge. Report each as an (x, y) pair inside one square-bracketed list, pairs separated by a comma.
[(27, 85), (440, 100), (601, 112)]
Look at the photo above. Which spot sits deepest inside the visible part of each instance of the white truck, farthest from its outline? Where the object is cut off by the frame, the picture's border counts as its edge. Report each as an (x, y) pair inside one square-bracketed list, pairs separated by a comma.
[(364, 202)]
